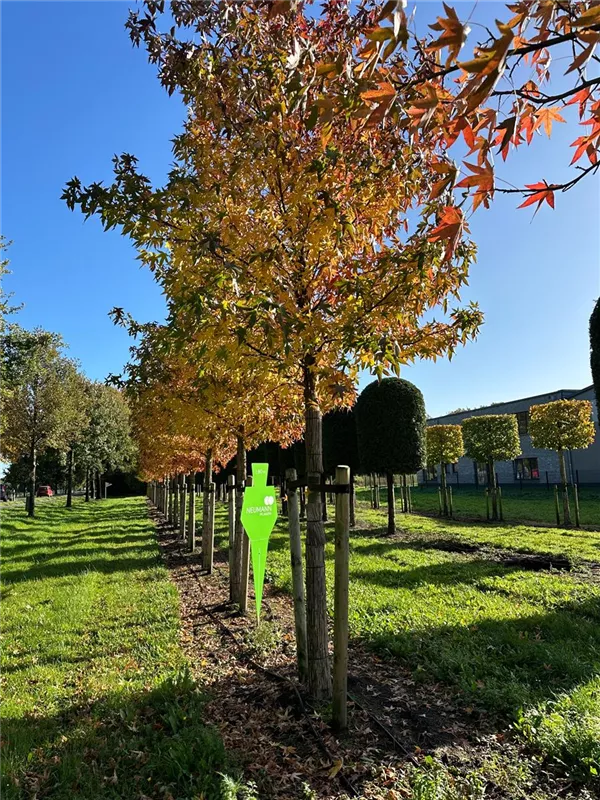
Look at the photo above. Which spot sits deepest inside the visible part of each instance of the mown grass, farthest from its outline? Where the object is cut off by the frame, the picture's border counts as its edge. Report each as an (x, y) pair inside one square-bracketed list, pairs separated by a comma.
[(520, 645), (97, 698), (530, 504)]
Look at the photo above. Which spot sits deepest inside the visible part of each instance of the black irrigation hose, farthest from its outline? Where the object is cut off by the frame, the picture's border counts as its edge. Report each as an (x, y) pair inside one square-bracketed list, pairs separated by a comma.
[(273, 676), (386, 730)]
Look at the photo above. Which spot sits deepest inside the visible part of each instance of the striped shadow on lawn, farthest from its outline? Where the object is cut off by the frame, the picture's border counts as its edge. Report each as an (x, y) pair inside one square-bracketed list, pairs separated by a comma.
[(97, 698)]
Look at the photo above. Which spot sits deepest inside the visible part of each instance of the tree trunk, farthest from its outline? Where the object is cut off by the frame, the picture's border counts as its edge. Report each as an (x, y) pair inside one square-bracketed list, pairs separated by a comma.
[(208, 468), (240, 481), (319, 678), (31, 504), (444, 489), (208, 551), (340, 615), (70, 478), (391, 504), (99, 488), (352, 500), (492, 487), (191, 524), (297, 576), (565, 487), (87, 485)]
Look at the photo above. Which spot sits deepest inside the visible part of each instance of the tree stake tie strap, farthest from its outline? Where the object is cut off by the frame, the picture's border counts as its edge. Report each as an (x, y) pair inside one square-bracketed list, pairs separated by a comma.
[(259, 514)]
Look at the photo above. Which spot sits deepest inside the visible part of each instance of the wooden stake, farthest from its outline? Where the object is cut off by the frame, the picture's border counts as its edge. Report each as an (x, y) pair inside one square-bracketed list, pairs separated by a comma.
[(209, 549), (245, 575), (297, 575), (231, 524), (340, 613), (556, 506), (576, 498)]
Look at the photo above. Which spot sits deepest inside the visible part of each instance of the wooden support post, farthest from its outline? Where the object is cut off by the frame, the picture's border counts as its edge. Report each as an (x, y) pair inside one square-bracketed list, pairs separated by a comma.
[(209, 548), (231, 523), (576, 498), (245, 575), (297, 574), (191, 523), (208, 469), (440, 501), (500, 508), (487, 504), (556, 506), (340, 613), (450, 502)]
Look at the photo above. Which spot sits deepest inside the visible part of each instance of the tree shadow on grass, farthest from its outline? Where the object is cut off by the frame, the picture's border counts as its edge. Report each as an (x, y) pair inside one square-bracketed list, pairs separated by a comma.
[(151, 744), (499, 664)]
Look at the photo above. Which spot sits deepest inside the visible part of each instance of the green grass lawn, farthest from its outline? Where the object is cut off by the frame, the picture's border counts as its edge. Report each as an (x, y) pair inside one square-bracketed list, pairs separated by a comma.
[(520, 645), (533, 504), (97, 698)]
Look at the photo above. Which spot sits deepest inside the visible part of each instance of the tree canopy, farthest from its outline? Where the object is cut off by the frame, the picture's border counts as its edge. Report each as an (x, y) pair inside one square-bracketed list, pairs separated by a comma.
[(444, 444), (562, 425), (390, 423), (491, 436)]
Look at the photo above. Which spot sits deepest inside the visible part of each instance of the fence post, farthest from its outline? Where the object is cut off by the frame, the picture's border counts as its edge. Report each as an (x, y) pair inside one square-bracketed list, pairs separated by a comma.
[(556, 506), (297, 574), (487, 504), (450, 502), (340, 614), (576, 498), (500, 509), (231, 524), (191, 512), (440, 504)]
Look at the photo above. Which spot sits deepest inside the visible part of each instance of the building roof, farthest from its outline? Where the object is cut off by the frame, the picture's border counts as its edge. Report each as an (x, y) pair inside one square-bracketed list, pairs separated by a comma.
[(564, 393)]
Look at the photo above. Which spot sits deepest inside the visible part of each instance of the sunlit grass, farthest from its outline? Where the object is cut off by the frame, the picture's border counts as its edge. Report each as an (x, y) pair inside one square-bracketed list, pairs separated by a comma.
[(97, 699)]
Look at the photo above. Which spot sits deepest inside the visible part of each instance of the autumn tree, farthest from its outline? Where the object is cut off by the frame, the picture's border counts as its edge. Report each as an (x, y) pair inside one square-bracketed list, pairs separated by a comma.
[(75, 420), (595, 349), (562, 425), (390, 423), (454, 87), (36, 402), (489, 438), (320, 253), (444, 446)]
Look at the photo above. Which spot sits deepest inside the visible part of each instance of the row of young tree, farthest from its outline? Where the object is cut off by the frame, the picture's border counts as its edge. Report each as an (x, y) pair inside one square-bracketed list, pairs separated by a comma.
[(314, 223), (52, 412)]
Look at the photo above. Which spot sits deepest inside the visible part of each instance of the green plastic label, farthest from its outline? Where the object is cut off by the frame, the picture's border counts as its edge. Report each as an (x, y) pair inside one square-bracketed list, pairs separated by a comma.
[(259, 514)]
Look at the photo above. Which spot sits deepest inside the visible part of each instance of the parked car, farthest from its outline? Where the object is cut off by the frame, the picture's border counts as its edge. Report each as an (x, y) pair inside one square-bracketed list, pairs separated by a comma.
[(44, 491)]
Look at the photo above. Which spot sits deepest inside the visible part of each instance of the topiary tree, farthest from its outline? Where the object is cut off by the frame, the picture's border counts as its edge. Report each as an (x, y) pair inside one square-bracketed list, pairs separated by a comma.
[(562, 425), (491, 438), (444, 446), (390, 426), (595, 349), (340, 446)]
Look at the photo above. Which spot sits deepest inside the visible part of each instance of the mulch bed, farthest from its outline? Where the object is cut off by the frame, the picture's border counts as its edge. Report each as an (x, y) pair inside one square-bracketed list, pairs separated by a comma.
[(394, 722)]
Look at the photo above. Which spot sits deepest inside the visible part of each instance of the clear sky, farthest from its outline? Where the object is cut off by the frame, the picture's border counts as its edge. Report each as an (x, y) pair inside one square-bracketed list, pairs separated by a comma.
[(75, 92)]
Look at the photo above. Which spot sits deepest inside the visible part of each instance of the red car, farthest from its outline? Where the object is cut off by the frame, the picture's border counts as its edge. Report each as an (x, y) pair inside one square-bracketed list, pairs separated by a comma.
[(44, 491)]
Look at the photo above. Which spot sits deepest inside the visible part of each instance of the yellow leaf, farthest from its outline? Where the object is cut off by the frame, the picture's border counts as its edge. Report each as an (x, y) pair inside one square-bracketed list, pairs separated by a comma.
[(337, 765)]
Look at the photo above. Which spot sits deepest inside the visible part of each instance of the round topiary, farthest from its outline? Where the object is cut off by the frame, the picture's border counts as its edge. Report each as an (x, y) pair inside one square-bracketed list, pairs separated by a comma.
[(340, 444), (390, 426)]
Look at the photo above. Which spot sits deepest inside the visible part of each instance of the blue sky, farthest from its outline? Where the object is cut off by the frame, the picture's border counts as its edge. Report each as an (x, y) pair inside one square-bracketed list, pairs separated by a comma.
[(75, 92)]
